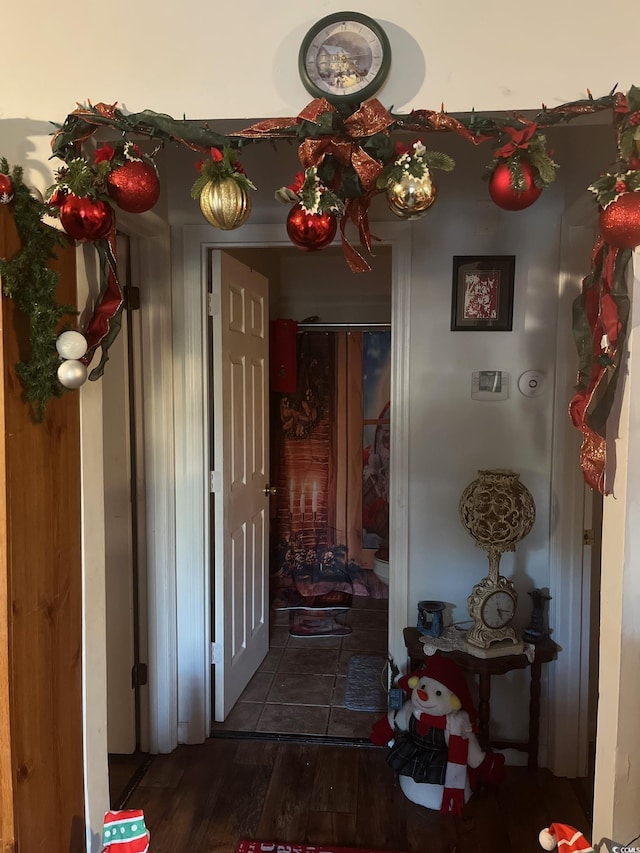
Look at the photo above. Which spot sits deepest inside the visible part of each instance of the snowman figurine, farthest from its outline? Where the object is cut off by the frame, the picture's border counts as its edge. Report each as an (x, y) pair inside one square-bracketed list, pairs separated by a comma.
[(432, 741)]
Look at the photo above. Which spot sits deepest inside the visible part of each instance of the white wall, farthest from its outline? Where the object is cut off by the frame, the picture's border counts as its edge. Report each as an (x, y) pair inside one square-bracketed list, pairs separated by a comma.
[(203, 61), (324, 286)]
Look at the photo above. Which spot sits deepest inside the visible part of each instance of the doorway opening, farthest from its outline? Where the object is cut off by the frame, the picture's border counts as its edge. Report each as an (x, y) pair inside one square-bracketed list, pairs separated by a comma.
[(327, 604)]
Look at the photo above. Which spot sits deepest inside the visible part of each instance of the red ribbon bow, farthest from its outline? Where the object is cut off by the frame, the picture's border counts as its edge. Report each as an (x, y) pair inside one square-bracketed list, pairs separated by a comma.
[(520, 139), (370, 118)]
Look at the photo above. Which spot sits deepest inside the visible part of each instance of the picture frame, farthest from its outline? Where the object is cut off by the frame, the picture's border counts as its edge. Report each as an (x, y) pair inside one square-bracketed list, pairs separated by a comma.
[(482, 293)]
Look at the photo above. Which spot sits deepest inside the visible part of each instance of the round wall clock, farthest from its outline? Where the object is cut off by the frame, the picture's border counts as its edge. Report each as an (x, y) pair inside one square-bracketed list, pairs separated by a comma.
[(344, 57)]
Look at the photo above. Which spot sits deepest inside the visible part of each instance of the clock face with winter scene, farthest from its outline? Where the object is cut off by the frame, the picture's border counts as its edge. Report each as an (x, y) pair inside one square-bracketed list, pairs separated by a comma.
[(344, 57)]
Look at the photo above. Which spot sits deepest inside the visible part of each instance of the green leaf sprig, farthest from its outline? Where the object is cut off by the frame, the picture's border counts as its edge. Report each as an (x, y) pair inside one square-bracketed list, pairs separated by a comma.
[(220, 165), (524, 144), (309, 191), (610, 186), (624, 176), (415, 161)]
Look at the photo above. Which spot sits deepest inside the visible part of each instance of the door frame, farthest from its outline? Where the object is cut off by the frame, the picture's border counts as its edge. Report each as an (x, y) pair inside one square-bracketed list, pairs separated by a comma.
[(569, 570), (193, 586), (152, 235)]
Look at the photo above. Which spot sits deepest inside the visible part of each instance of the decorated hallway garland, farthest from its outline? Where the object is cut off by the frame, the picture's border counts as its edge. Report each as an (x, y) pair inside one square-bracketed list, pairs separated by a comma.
[(347, 156), (28, 280)]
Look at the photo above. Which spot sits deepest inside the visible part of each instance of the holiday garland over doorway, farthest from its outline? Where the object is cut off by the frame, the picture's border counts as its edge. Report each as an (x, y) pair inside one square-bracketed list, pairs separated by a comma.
[(347, 155)]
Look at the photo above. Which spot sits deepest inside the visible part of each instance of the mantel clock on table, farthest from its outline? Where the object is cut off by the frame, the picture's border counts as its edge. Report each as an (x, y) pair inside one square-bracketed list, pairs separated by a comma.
[(497, 510)]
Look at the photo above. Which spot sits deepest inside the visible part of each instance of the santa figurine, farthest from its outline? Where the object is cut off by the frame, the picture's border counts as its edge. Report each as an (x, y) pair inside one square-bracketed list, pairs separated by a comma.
[(432, 741), (566, 838)]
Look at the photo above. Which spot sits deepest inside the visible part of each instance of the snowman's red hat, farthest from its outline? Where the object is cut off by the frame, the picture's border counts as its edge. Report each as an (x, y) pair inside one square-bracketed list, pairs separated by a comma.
[(566, 838), (449, 674)]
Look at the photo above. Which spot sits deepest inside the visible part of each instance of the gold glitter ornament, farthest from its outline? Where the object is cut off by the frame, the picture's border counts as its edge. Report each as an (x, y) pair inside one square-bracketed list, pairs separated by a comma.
[(410, 197), (225, 204)]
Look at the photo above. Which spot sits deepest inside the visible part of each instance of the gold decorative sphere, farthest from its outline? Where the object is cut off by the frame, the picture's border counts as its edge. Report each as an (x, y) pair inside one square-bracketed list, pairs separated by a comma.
[(225, 204), (410, 197), (498, 511)]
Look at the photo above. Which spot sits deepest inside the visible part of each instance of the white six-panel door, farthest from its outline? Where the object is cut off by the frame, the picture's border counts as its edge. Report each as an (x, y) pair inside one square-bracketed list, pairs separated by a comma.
[(240, 466)]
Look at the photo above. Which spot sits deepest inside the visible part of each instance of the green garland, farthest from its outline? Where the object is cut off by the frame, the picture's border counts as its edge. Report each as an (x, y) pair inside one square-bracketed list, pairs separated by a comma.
[(624, 176), (28, 280)]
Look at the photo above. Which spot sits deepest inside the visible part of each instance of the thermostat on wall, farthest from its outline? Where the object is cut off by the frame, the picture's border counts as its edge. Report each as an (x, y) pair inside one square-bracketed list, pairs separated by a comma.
[(489, 385)]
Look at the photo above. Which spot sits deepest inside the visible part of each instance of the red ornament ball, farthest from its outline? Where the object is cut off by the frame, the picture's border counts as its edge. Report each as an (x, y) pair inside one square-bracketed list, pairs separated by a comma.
[(6, 189), (310, 231), (86, 218), (620, 222), (505, 196), (134, 186)]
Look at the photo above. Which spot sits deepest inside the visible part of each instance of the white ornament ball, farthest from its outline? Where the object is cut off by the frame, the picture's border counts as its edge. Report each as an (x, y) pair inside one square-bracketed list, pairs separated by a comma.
[(547, 840), (71, 345), (72, 373)]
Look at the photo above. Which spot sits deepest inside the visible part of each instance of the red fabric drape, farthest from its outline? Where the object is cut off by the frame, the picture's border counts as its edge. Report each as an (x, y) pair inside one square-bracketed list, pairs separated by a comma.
[(283, 373)]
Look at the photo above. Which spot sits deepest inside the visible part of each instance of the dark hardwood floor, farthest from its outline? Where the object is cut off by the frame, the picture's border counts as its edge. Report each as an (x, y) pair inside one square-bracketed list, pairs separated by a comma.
[(208, 797)]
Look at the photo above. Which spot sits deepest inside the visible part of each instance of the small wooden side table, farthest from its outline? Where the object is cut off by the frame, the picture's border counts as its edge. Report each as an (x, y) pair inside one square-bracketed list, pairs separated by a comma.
[(546, 650)]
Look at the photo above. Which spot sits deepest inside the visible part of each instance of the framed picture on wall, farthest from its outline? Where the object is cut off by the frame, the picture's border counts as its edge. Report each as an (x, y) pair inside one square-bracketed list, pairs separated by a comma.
[(482, 294)]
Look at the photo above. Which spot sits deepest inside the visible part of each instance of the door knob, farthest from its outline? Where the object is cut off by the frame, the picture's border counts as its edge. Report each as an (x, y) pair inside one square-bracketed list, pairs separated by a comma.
[(269, 490)]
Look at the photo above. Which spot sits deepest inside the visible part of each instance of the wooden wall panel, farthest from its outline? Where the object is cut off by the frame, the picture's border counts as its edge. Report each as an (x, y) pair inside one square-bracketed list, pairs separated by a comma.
[(41, 564), (7, 827)]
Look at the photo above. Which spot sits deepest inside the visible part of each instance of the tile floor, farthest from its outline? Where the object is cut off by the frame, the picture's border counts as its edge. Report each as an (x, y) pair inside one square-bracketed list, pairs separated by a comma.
[(299, 688)]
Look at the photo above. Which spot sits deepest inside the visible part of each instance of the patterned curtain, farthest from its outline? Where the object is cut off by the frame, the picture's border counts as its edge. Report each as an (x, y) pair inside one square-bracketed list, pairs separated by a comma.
[(317, 557)]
